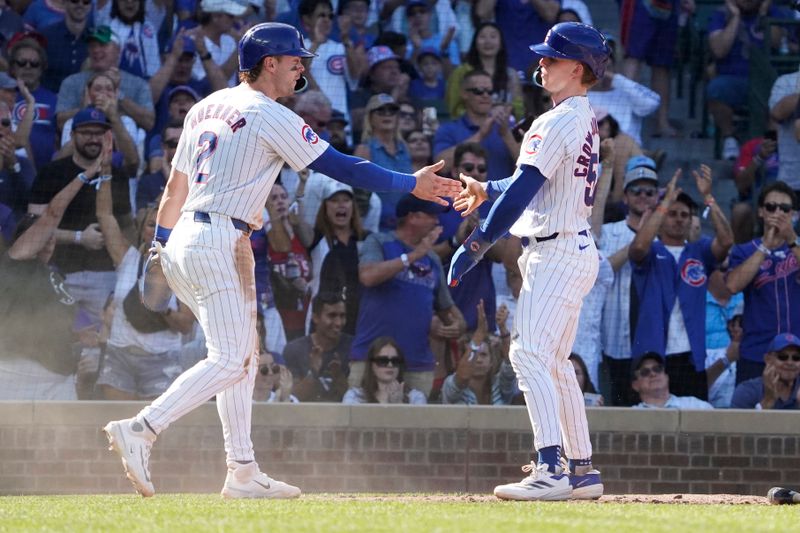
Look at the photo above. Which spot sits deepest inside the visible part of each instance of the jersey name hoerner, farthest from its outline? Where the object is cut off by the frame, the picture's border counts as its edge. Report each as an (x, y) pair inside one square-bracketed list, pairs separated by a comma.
[(233, 146), (563, 144)]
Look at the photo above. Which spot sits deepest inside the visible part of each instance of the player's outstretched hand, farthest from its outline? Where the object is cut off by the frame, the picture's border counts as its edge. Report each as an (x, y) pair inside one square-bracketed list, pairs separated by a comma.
[(432, 187), (471, 197), (467, 256)]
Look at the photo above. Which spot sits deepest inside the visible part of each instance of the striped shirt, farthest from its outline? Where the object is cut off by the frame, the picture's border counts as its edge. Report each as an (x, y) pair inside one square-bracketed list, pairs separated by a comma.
[(233, 146), (616, 326), (563, 144)]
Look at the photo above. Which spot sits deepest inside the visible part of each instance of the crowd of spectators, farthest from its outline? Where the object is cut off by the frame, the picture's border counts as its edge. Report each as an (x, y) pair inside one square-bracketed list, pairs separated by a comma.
[(352, 301)]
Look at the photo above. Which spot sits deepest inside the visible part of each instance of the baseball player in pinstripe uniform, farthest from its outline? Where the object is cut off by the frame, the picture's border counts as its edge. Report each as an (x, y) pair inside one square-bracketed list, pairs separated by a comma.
[(233, 146), (547, 203)]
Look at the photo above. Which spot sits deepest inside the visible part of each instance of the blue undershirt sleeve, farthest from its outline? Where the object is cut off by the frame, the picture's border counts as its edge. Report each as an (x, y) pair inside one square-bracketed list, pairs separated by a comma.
[(361, 173), (495, 188), (519, 191)]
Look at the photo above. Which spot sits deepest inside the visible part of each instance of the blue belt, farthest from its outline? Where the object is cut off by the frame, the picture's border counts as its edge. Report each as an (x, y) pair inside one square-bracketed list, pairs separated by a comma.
[(241, 225), (527, 240)]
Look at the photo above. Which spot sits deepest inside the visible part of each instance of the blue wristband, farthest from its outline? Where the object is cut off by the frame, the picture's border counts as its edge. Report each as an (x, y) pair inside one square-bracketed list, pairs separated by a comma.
[(162, 234)]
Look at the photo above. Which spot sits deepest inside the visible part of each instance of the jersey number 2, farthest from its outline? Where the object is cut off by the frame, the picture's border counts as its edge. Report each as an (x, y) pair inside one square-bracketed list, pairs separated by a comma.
[(591, 181), (207, 144)]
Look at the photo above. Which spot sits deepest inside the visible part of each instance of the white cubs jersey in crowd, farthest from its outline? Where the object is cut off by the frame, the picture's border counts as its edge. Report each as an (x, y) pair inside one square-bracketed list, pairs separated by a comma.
[(233, 146), (564, 145)]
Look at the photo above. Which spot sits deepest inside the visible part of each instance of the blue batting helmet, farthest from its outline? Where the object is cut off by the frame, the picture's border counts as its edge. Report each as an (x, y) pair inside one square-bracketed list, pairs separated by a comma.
[(270, 39), (581, 42)]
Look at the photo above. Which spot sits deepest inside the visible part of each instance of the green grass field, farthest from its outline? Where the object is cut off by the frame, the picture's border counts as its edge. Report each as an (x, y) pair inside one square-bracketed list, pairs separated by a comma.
[(377, 513)]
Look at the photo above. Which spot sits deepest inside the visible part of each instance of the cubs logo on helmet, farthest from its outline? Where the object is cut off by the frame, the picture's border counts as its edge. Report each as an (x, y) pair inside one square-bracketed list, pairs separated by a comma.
[(533, 144), (694, 273), (309, 135)]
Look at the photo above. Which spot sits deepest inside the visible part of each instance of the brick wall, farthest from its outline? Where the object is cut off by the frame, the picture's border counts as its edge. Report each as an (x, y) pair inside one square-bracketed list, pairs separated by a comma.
[(59, 448)]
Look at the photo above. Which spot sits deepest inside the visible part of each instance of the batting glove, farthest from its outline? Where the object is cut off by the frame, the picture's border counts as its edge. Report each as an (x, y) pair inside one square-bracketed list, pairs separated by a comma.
[(154, 289), (467, 256)]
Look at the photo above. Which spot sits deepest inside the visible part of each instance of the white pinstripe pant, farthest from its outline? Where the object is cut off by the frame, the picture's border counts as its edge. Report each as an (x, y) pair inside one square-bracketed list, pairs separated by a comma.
[(556, 276), (210, 268)]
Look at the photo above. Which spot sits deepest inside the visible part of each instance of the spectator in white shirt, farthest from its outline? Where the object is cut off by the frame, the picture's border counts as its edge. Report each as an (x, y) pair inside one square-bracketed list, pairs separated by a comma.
[(624, 99)]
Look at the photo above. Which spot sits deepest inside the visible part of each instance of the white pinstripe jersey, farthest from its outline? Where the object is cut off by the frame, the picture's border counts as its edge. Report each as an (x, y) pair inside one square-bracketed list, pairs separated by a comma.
[(563, 144), (233, 146)]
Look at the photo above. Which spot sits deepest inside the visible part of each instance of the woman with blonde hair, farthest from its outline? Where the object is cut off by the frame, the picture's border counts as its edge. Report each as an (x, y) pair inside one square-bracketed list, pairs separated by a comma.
[(382, 144)]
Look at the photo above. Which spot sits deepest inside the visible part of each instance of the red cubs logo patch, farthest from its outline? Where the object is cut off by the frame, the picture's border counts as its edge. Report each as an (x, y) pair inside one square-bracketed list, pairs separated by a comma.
[(336, 65), (474, 246), (309, 135), (694, 273), (533, 144)]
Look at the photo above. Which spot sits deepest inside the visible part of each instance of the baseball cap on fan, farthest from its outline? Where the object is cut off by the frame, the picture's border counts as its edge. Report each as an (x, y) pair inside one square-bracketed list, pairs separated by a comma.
[(411, 204), (332, 187), (90, 116), (183, 89), (376, 101), (234, 9), (783, 340), (640, 167), (379, 54), (102, 34)]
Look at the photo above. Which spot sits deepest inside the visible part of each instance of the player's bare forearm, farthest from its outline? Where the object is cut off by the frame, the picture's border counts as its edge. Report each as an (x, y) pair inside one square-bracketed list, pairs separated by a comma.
[(723, 234), (175, 193)]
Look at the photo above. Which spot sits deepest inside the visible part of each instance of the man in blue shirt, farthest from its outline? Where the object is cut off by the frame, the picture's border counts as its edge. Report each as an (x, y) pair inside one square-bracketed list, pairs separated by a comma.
[(404, 285), (482, 123), (67, 43), (521, 23), (767, 270), (779, 386), (670, 280)]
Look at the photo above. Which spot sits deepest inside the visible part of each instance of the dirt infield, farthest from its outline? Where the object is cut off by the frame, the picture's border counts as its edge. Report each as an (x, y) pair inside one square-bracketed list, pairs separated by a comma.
[(672, 499)]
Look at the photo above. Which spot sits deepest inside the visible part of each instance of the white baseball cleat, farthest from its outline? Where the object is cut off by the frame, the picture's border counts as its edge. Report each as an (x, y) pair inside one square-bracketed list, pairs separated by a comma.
[(132, 441), (247, 481), (540, 485)]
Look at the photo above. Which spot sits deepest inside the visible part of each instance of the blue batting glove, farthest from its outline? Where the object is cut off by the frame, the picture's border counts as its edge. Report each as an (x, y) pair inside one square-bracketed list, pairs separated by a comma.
[(467, 256)]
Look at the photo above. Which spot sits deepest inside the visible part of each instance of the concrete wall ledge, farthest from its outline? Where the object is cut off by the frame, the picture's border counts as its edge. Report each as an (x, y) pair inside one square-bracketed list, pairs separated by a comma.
[(329, 415)]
